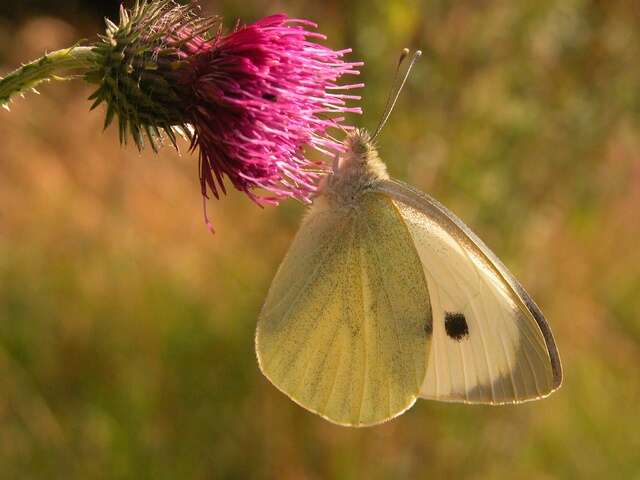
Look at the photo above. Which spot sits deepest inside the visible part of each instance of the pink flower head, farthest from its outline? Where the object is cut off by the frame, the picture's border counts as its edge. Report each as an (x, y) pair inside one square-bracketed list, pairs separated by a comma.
[(258, 97)]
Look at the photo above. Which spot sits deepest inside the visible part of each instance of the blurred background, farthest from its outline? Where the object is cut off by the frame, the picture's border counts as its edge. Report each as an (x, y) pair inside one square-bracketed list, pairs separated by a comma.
[(126, 329)]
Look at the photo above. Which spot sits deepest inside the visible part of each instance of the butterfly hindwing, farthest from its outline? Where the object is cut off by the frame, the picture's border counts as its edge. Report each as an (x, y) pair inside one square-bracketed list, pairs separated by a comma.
[(491, 343), (345, 329)]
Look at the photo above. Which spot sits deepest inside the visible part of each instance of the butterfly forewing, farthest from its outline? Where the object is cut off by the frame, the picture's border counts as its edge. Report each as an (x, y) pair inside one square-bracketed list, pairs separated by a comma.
[(491, 343), (345, 329)]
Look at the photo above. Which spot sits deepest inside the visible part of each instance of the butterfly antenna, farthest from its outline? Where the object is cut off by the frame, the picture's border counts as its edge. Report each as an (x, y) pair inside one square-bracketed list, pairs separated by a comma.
[(403, 56), (396, 88)]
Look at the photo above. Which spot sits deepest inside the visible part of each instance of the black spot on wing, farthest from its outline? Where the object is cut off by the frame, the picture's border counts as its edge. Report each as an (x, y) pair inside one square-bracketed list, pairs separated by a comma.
[(456, 325), (270, 97)]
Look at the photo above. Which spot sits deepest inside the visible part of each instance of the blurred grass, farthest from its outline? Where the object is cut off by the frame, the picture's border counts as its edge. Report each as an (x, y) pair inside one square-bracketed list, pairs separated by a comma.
[(126, 330)]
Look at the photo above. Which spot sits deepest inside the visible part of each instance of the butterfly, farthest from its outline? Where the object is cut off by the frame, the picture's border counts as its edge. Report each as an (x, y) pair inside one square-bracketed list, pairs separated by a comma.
[(385, 296)]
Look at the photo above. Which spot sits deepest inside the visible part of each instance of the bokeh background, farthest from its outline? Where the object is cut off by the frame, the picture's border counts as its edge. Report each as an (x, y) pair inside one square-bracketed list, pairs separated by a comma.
[(126, 329)]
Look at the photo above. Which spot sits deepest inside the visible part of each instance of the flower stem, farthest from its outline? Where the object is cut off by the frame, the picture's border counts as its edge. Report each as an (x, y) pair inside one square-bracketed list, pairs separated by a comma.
[(48, 67)]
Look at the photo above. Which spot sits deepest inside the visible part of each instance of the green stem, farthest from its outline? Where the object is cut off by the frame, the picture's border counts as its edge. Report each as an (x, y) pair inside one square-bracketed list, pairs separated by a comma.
[(48, 67)]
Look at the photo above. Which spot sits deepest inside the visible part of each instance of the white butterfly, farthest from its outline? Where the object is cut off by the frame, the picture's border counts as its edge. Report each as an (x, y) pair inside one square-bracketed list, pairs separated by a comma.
[(386, 296)]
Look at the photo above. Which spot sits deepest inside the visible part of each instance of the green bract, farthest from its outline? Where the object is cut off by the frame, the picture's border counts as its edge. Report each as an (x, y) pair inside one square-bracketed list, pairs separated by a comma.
[(136, 68)]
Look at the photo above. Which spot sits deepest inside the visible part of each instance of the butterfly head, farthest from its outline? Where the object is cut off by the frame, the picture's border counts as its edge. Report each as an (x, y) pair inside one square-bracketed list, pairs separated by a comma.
[(355, 171), (360, 157), (358, 142)]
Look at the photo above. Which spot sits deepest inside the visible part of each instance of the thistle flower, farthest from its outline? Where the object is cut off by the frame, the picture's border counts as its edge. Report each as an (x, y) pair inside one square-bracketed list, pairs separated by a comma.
[(250, 102), (256, 99)]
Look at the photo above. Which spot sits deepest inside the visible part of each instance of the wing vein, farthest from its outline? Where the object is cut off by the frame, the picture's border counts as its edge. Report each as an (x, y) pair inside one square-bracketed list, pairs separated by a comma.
[(359, 256)]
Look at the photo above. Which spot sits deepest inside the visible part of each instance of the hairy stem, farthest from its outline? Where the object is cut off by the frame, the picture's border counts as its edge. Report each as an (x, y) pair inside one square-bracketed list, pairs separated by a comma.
[(49, 67)]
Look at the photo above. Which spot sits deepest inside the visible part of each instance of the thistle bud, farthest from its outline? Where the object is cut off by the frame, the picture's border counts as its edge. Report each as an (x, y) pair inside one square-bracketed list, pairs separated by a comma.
[(136, 68)]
